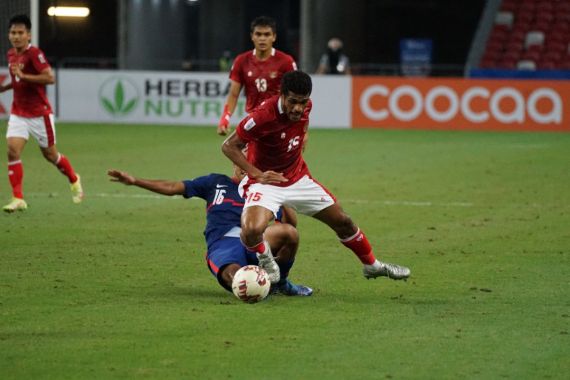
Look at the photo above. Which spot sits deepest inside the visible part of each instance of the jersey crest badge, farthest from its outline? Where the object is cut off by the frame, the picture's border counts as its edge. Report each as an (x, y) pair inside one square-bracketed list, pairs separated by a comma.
[(283, 135), (249, 73), (249, 124), (273, 75)]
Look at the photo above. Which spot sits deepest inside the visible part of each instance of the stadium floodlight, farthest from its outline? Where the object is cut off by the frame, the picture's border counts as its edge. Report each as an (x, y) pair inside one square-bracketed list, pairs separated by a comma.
[(68, 11)]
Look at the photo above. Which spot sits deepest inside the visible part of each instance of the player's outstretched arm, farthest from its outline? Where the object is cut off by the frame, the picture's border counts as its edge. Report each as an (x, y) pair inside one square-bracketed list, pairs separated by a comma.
[(155, 185), (229, 108)]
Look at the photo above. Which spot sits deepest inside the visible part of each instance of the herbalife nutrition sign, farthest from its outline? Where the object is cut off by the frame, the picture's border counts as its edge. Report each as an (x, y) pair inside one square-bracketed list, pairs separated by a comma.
[(144, 97)]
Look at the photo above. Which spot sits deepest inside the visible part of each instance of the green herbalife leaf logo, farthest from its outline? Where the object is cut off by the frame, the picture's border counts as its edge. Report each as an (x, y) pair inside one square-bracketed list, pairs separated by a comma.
[(119, 96)]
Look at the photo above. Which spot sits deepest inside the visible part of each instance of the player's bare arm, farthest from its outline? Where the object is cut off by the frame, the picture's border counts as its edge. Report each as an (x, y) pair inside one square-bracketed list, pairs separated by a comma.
[(5, 88), (155, 185), (229, 108), (232, 148), (45, 77)]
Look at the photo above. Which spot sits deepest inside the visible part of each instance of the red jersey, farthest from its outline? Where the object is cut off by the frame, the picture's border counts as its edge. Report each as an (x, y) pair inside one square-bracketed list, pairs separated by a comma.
[(275, 142), (261, 79), (30, 99)]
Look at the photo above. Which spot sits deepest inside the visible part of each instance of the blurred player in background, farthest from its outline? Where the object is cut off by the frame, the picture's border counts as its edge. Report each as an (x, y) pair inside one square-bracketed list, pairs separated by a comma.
[(226, 254), (31, 112), (277, 176), (259, 70)]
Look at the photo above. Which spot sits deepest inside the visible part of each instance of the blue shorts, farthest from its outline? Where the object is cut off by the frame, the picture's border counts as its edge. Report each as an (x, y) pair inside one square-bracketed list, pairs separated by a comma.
[(228, 250)]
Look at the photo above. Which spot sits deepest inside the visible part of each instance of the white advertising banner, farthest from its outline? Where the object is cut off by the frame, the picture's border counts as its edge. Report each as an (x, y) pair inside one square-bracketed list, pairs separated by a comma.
[(191, 99)]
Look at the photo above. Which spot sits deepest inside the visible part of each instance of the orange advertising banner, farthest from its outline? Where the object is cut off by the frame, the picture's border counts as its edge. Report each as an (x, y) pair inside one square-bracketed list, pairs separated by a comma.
[(460, 104)]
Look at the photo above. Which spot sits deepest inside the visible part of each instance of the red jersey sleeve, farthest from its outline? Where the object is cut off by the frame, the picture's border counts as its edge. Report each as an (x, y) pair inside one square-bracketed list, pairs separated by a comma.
[(251, 128), (289, 65), (235, 71), (39, 60)]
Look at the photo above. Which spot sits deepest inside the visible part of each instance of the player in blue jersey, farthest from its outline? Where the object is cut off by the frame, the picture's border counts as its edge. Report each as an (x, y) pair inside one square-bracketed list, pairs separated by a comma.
[(226, 254)]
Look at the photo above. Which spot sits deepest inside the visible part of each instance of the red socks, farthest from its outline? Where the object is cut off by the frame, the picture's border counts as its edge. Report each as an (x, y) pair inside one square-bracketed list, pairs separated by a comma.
[(15, 175), (260, 248), (358, 243), (65, 167)]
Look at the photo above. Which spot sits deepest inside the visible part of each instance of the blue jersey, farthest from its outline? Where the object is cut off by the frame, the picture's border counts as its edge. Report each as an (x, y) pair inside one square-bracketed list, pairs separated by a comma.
[(223, 203)]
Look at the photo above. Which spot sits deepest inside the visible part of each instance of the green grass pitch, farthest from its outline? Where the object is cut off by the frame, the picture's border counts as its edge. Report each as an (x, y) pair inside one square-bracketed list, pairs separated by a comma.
[(117, 287)]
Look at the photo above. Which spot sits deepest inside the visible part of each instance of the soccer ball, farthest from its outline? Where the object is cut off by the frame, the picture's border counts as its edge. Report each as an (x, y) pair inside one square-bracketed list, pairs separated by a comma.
[(251, 284)]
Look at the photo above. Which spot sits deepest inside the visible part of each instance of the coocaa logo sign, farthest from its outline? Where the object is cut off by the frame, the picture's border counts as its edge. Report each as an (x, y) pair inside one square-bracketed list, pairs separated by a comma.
[(459, 104), (119, 96), (462, 104)]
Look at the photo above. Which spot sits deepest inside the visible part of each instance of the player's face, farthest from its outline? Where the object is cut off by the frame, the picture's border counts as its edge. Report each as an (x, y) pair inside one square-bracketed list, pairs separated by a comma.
[(19, 36), (294, 105), (263, 38)]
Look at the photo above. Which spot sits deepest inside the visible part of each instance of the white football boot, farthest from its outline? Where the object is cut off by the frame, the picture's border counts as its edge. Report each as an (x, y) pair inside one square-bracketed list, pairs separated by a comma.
[(380, 269)]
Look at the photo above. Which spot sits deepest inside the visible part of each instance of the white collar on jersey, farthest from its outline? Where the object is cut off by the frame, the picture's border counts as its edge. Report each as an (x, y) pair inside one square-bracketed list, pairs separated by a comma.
[(279, 106), (272, 51)]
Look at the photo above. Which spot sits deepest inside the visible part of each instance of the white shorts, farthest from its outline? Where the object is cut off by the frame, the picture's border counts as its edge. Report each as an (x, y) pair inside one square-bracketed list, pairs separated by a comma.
[(307, 196), (42, 128)]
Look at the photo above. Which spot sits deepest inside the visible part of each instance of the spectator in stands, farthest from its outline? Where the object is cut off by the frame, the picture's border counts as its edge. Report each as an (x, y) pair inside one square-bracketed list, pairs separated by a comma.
[(334, 61), (225, 61)]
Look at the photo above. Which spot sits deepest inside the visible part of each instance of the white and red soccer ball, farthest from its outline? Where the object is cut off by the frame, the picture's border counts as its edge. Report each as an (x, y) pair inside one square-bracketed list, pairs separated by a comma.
[(251, 284)]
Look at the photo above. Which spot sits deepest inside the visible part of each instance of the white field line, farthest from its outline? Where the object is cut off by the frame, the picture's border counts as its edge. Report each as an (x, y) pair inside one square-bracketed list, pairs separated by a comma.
[(357, 201)]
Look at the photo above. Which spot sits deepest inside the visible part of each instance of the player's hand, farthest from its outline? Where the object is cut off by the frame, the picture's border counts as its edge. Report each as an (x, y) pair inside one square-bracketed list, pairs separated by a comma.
[(16, 71), (270, 177), (224, 124), (119, 176)]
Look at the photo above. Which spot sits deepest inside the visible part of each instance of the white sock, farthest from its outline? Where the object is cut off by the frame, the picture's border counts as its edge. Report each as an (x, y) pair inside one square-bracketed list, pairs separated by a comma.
[(375, 265)]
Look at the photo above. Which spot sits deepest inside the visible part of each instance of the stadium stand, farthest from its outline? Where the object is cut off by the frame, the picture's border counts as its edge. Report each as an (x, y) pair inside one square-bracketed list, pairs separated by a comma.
[(529, 35)]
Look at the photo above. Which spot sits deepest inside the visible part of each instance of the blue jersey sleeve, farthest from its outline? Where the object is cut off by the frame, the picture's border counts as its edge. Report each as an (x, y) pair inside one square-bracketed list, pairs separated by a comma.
[(198, 187)]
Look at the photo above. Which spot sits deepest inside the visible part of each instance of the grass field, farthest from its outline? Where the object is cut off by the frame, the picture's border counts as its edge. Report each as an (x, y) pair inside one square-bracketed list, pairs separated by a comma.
[(117, 287)]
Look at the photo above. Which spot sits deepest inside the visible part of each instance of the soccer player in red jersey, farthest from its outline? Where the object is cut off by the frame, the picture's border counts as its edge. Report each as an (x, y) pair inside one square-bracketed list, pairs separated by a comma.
[(259, 70), (277, 175), (31, 112)]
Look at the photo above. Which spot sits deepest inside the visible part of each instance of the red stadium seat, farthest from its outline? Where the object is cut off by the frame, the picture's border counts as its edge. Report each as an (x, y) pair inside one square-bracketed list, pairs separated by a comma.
[(511, 55), (558, 37), (524, 16), (517, 35), (527, 6), (547, 65), (487, 64), (553, 56), (513, 45), (509, 6), (494, 45), (544, 6), (544, 17), (542, 26), (562, 6), (531, 55), (560, 27), (507, 64), (563, 16), (565, 65), (556, 46)]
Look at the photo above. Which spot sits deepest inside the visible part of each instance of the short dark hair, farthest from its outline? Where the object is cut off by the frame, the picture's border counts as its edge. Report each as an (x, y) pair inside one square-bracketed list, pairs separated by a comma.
[(20, 19), (296, 82), (264, 21)]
